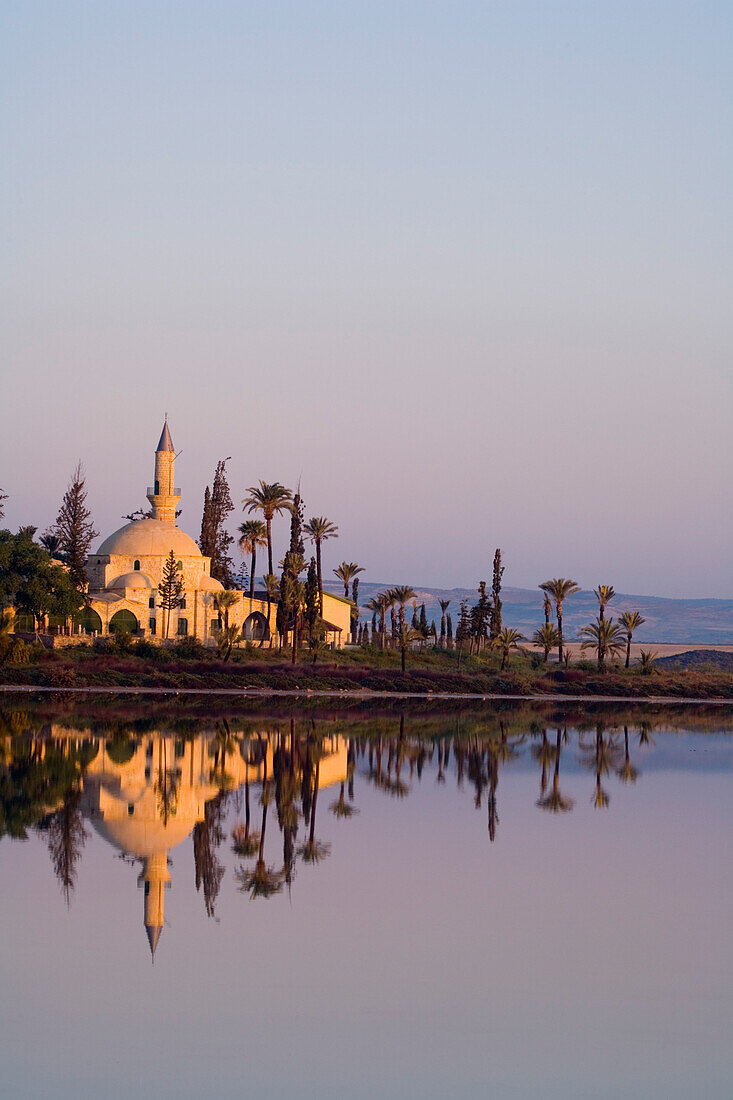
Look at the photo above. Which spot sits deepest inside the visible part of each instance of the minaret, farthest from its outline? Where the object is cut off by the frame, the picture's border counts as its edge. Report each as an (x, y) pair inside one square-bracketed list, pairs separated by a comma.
[(163, 495), (155, 877)]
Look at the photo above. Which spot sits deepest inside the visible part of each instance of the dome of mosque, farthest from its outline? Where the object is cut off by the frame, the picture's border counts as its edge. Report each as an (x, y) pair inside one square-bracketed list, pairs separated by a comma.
[(149, 538), (209, 584), (132, 580)]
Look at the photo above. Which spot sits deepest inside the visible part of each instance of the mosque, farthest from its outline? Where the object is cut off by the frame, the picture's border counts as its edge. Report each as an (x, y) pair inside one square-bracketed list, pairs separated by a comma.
[(127, 569)]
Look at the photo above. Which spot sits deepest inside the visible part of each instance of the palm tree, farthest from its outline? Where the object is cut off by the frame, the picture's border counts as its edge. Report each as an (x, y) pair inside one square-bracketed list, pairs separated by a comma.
[(546, 637), (51, 542), (559, 589), (346, 572), (252, 533), (222, 602), (604, 594), (444, 605), (317, 530), (407, 636), (272, 590), (402, 594), (647, 659), (227, 639), (630, 621), (270, 499), (606, 637), (506, 640)]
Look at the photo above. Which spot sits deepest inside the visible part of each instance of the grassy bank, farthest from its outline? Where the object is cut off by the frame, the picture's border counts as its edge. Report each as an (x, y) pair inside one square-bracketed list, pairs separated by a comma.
[(142, 665)]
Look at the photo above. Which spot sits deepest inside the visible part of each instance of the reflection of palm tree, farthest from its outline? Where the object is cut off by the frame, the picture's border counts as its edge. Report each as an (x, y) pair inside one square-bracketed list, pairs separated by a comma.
[(245, 843), (341, 808), (313, 851), (544, 753), (627, 773), (207, 836), (601, 759), (261, 881), (556, 802)]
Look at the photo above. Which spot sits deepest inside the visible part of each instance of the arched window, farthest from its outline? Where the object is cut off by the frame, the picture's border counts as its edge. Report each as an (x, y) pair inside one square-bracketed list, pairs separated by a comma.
[(157, 487), (90, 621), (255, 628), (136, 567), (151, 625), (182, 628), (123, 621)]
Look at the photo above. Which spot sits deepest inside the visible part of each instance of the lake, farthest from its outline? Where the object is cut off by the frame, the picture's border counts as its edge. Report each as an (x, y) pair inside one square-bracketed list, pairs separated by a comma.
[(511, 902)]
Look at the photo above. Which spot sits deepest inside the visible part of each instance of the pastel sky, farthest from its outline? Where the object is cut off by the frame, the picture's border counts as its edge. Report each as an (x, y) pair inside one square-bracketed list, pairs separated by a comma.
[(465, 268)]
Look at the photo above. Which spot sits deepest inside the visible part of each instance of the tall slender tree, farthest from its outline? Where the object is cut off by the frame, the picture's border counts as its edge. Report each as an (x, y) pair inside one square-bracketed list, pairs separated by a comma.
[(252, 533), (559, 588), (444, 605), (355, 608), (495, 623), (74, 528), (318, 529), (630, 621), (604, 594), (170, 590), (346, 572), (215, 541), (270, 498), (402, 594)]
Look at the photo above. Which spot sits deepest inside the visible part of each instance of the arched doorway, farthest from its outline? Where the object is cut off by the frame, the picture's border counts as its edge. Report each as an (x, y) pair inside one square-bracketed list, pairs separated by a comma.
[(89, 621), (123, 622), (256, 628)]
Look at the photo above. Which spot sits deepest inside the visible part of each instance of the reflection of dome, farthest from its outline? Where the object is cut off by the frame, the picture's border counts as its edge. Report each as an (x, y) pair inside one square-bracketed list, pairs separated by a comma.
[(150, 537), (132, 580), (144, 838), (209, 584)]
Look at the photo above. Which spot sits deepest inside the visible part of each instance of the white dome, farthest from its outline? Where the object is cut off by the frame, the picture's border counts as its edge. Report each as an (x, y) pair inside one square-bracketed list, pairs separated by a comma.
[(132, 580), (149, 538), (209, 584)]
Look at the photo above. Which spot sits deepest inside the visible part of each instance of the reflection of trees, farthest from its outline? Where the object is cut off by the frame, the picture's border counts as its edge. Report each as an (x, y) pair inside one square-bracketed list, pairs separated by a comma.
[(313, 851), (207, 837), (261, 881), (245, 843), (556, 802), (66, 838), (601, 758), (627, 773)]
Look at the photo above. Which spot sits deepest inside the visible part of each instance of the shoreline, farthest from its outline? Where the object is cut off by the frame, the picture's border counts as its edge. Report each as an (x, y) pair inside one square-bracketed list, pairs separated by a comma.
[(306, 693)]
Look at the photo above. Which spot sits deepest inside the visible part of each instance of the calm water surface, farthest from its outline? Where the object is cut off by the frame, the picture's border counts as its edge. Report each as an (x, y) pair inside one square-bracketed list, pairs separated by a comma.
[(418, 907)]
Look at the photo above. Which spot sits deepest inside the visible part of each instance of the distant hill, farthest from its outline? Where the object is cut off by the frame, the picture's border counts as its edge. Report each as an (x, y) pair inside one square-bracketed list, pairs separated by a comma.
[(699, 659), (708, 622)]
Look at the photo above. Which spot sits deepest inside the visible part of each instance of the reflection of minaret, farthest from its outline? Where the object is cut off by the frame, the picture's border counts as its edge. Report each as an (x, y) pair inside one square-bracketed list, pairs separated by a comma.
[(155, 878), (163, 495)]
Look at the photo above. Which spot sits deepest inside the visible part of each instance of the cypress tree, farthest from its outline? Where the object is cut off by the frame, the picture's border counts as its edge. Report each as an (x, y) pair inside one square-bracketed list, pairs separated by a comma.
[(291, 588), (74, 529), (479, 617), (495, 623), (355, 608), (423, 620), (312, 599), (450, 633), (170, 589), (215, 540)]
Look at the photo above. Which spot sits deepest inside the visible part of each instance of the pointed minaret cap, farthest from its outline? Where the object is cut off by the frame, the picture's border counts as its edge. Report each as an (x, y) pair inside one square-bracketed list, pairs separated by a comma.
[(153, 931), (165, 442)]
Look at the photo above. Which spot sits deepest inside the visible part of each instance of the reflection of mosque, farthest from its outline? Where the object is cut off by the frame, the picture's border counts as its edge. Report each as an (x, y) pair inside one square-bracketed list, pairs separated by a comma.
[(145, 796)]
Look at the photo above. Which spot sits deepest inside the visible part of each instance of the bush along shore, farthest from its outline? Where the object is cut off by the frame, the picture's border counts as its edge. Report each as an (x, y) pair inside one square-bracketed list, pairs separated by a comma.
[(124, 662)]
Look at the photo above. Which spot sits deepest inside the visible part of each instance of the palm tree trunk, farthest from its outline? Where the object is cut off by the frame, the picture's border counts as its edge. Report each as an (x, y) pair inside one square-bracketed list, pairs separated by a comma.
[(320, 577), (252, 573), (404, 650), (559, 630), (628, 650), (268, 521)]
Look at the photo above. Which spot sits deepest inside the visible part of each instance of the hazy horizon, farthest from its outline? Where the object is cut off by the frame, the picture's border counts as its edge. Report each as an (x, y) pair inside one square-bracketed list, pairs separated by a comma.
[(465, 269)]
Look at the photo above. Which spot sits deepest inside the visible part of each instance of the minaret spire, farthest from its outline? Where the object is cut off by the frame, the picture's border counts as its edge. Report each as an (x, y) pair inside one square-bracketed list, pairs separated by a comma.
[(163, 495)]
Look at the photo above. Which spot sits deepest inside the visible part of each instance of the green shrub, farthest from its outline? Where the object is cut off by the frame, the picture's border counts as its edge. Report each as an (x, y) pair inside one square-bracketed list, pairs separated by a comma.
[(19, 653), (189, 649)]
